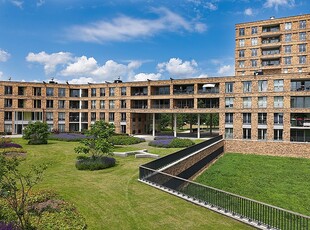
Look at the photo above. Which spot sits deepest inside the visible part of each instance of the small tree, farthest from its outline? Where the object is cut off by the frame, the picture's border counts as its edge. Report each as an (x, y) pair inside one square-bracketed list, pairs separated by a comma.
[(37, 133), (97, 142), (15, 187)]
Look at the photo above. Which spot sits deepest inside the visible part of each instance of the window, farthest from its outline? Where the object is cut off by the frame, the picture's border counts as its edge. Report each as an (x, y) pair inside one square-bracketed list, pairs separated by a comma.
[(61, 128), (254, 30), (287, 60), (36, 104), (302, 59), (247, 134), (112, 91), (262, 86), (246, 118), (123, 91), (93, 92), (254, 63), (229, 134), (253, 41), (247, 86), (93, 104), (21, 90), (278, 102), (302, 24), (262, 134), (111, 104), (278, 118), (229, 118), (241, 64), (49, 116), (49, 104), (241, 42), (123, 128), (93, 116), (111, 117), (20, 103), (288, 37), (247, 102), (8, 116), (123, 117), (229, 102), (241, 53), (302, 48), (102, 92), (288, 26), (61, 116), (36, 91), (241, 32), (300, 102), (285, 70), (254, 52), (288, 49), (61, 104), (278, 85), (229, 87), (102, 104), (278, 134), (61, 92), (262, 118), (262, 102), (102, 116), (302, 36), (49, 91), (123, 104), (8, 90), (8, 103)]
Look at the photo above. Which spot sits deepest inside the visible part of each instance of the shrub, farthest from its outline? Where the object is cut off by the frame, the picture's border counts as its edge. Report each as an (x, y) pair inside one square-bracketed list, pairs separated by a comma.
[(95, 163), (125, 140), (171, 143), (7, 226), (37, 142), (67, 136), (5, 140), (161, 143), (10, 145), (163, 137), (37, 133), (12, 150)]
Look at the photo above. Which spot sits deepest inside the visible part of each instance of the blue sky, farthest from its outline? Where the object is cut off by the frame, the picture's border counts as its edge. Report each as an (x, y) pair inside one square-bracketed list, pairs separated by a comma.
[(100, 40)]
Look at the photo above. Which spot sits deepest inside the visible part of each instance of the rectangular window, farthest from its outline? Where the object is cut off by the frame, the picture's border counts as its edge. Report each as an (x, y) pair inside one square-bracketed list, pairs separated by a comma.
[(36, 116), (302, 48), (61, 92), (8, 129), (262, 102), (262, 134), (302, 36), (229, 134), (241, 32), (247, 134), (93, 92), (278, 118), (21, 90), (93, 104), (247, 86), (61, 104), (300, 102), (241, 64), (61, 116), (61, 128), (302, 59), (229, 87), (247, 102), (123, 91), (241, 42), (102, 116), (49, 104), (20, 103), (123, 104), (49, 92), (278, 102), (8, 116), (288, 49), (123, 117), (262, 86), (229, 102), (262, 118), (241, 53), (288, 26), (102, 104), (111, 117), (246, 118), (49, 116), (112, 91), (8, 103), (102, 92), (302, 24), (36, 91), (254, 63), (278, 85), (254, 41), (111, 104), (8, 90), (288, 37), (229, 118), (254, 30), (278, 134), (254, 52), (36, 104), (287, 60), (93, 116)]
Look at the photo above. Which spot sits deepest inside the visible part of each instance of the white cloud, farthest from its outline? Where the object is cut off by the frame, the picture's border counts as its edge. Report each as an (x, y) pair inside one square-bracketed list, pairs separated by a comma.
[(277, 3), (82, 80), (50, 61), (1, 75), (226, 70), (248, 12), (176, 67), (146, 76), (17, 3), (82, 66), (40, 2), (210, 6), (124, 28), (4, 56)]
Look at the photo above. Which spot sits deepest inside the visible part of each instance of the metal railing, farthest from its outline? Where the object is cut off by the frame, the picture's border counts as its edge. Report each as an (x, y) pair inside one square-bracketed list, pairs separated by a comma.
[(242, 208), (166, 160)]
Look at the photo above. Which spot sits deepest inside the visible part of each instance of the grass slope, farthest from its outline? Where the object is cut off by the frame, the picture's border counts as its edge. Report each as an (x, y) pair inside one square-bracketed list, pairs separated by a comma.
[(113, 198), (280, 181)]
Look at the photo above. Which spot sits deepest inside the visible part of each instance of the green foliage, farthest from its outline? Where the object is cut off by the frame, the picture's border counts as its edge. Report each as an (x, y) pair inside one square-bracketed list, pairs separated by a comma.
[(37, 133), (12, 150), (180, 143), (15, 187), (97, 142), (125, 140), (94, 163)]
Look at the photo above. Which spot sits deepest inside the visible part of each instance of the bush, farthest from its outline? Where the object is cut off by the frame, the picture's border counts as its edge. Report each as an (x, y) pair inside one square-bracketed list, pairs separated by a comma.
[(163, 137), (67, 136), (125, 140), (10, 145), (5, 140), (12, 150), (94, 163), (37, 133), (37, 142), (171, 142)]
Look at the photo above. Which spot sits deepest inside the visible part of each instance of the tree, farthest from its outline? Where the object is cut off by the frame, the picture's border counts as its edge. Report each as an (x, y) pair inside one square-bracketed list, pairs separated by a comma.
[(97, 142), (15, 187), (37, 133)]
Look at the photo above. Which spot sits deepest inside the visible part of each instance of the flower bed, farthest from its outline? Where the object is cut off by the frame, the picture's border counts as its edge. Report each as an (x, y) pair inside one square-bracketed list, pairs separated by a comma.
[(94, 162), (125, 140), (67, 136), (171, 142)]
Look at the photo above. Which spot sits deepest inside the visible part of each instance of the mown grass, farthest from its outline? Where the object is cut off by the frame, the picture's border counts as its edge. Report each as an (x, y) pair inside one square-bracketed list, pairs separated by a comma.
[(280, 181), (113, 198)]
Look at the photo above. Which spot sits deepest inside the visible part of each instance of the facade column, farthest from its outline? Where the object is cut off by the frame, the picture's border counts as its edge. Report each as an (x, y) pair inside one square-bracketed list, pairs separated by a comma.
[(80, 113), (198, 129), (153, 131), (175, 125)]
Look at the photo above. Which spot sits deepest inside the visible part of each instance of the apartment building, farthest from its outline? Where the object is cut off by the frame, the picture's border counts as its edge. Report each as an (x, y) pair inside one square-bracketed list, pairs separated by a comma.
[(273, 46), (265, 112)]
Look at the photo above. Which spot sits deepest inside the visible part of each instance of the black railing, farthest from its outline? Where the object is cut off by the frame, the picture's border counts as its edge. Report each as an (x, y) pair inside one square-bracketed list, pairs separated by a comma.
[(166, 160), (243, 208)]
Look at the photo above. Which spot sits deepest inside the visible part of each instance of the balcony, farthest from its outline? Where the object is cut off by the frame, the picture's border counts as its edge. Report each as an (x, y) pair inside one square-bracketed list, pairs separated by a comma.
[(271, 52), (160, 90), (208, 103), (138, 104), (271, 29), (183, 89), (183, 104), (301, 85), (160, 104), (208, 88), (139, 91), (271, 63)]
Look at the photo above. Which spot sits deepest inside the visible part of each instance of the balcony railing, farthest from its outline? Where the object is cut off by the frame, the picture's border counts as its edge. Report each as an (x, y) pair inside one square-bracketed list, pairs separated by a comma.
[(299, 122), (212, 90), (160, 106)]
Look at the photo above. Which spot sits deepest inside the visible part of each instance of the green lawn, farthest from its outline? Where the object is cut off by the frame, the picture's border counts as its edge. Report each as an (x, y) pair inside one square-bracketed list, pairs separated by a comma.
[(113, 198), (280, 181)]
